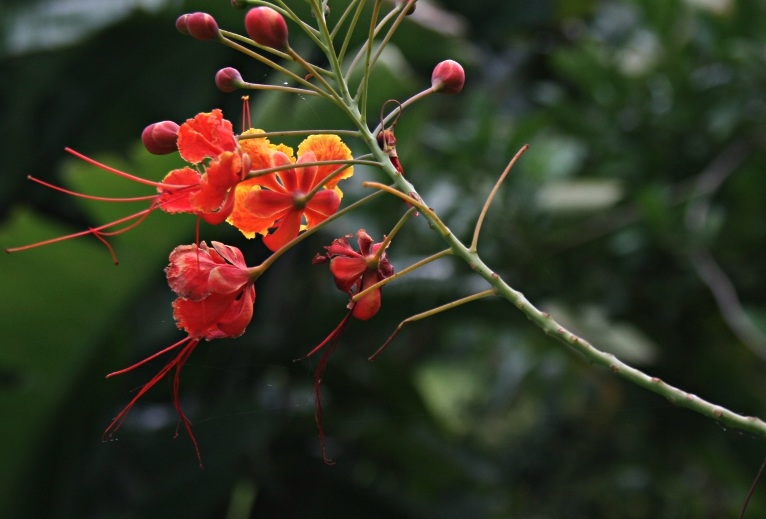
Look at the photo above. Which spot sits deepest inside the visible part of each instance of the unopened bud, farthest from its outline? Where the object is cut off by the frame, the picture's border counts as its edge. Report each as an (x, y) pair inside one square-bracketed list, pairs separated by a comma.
[(239, 4), (228, 79), (448, 77), (410, 9), (181, 24), (201, 26), (161, 138), (266, 27)]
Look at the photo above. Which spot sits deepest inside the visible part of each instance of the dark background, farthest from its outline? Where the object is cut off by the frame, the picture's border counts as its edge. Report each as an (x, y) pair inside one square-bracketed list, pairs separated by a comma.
[(636, 218)]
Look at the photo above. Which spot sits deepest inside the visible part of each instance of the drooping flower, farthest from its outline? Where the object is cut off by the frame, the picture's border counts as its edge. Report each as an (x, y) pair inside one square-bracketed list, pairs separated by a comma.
[(216, 296), (280, 199), (353, 272)]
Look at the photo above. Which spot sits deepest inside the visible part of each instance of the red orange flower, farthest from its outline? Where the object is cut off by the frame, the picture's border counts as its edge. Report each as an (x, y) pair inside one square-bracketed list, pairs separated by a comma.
[(279, 199), (216, 296), (207, 136)]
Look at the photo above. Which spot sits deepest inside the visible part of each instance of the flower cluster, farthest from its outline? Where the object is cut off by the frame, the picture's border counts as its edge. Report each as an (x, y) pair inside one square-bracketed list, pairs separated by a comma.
[(262, 189)]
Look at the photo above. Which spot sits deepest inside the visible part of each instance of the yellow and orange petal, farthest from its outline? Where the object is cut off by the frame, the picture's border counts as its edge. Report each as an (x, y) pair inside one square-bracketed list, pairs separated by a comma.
[(328, 147), (242, 219), (260, 149)]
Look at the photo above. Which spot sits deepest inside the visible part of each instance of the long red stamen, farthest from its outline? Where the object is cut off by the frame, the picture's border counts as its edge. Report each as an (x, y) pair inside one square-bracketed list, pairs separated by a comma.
[(91, 197), (108, 246), (92, 230), (141, 216), (134, 366), (333, 340), (177, 363), (122, 173)]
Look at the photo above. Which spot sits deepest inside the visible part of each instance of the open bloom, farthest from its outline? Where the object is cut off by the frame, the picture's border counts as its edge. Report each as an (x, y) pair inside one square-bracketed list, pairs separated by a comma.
[(216, 296), (281, 199), (206, 136), (206, 141)]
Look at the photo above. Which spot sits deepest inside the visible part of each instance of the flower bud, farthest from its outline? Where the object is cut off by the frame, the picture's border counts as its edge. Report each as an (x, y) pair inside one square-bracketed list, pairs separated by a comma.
[(228, 79), (181, 24), (201, 26), (266, 27), (160, 138), (239, 4), (411, 9), (448, 77)]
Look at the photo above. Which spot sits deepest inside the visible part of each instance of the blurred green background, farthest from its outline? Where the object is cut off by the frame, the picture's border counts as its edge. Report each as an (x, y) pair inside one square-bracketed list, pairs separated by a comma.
[(637, 218)]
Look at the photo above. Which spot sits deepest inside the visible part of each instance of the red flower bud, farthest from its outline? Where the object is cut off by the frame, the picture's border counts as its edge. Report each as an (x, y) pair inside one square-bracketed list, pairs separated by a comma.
[(228, 79), (448, 77), (266, 27), (181, 24), (160, 138), (201, 26)]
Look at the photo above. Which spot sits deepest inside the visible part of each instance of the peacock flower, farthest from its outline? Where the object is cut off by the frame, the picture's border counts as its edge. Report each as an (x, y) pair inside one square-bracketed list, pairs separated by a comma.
[(280, 199), (216, 296)]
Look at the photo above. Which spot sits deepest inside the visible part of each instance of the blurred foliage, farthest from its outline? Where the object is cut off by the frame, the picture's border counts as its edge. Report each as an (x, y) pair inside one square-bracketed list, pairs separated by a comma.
[(642, 115)]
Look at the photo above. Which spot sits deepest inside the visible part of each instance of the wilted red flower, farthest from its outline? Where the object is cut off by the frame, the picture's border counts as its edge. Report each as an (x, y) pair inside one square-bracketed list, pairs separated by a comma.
[(216, 296), (283, 203), (353, 271)]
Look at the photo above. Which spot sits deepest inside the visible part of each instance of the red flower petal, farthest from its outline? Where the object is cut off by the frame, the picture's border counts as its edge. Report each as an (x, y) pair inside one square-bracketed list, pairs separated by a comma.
[(268, 204), (289, 227), (207, 135), (205, 318), (190, 268), (321, 206), (347, 271), (177, 199), (220, 176), (369, 305)]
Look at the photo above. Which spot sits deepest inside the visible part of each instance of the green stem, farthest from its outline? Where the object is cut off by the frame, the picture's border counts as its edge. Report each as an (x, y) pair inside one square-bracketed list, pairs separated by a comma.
[(368, 43), (245, 39), (256, 272), (429, 313), (387, 240), (331, 176), (403, 272), (262, 172), (410, 200), (349, 133), (292, 90), (350, 31), (329, 51), (417, 97), (480, 221), (366, 75), (276, 67), (391, 31)]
